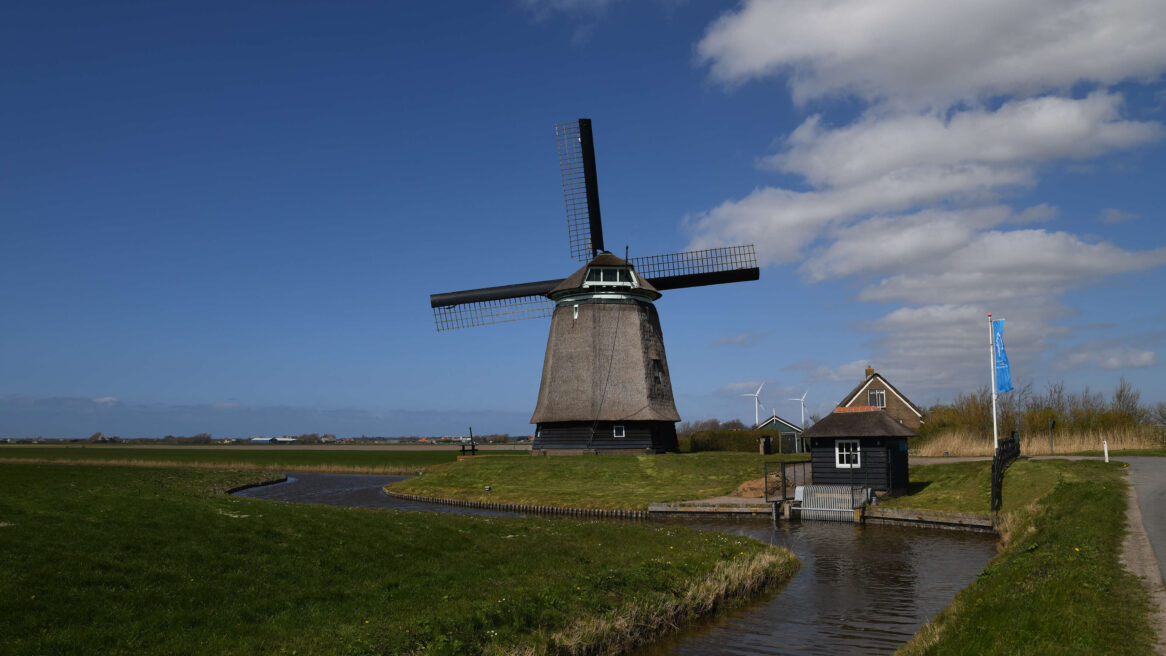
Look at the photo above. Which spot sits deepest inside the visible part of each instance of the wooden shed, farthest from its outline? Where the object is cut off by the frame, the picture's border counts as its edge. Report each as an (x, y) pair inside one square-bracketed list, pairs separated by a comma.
[(860, 446)]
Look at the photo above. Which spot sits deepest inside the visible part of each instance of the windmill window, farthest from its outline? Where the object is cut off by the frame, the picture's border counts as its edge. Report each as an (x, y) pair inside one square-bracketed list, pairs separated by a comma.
[(617, 431), (877, 398), (847, 455), (608, 276), (657, 372)]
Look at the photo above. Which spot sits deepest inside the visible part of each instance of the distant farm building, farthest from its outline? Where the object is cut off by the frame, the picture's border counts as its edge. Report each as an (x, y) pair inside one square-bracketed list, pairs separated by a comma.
[(788, 431), (877, 392), (860, 446)]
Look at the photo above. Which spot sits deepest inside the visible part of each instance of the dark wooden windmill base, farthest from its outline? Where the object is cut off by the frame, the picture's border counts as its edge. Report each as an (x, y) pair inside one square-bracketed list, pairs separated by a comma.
[(576, 437)]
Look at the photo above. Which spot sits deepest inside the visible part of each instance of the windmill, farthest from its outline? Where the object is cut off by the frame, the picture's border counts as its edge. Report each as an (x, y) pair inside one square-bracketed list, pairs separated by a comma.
[(756, 405), (605, 384)]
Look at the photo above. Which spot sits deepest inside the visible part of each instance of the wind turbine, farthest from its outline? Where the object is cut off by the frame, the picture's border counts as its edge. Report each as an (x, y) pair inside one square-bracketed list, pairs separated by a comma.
[(802, 401), (756, 404)]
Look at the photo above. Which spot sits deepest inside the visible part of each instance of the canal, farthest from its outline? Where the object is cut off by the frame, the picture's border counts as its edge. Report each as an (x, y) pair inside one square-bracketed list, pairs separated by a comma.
[(861, 590)]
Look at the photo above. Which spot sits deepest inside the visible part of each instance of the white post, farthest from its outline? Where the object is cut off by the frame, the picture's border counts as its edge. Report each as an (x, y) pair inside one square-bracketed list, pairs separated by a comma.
[(992, 356), (1105, 445)]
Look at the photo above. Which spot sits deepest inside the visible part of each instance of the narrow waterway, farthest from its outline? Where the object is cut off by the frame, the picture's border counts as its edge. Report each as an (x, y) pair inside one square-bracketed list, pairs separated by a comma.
[(861, 590)]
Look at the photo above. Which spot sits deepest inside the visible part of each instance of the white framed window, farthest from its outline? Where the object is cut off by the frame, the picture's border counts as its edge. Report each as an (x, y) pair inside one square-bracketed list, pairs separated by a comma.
[(609, 276), (847, 454), (617, 431), (877, 398)]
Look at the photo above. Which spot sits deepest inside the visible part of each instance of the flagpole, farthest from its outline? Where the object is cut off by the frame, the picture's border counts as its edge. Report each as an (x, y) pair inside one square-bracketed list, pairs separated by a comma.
[(992, 356)]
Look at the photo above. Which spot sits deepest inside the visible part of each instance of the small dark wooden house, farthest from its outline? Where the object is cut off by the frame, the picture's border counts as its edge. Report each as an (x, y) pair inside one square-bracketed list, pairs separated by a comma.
[(788, 432), (862, 446)]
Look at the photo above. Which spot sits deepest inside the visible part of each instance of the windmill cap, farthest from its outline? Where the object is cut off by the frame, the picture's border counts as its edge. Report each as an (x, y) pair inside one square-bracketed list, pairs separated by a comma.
[(574, 282)]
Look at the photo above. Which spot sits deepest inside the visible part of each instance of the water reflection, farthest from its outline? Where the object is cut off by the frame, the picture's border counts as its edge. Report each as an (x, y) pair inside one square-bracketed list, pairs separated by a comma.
[(351, 491), (861, 590)]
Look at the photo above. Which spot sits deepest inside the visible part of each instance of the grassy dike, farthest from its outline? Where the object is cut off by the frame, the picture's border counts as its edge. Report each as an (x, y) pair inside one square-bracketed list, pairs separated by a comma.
[(339, 461), (618, 482), (120, 560), (1057, 585)]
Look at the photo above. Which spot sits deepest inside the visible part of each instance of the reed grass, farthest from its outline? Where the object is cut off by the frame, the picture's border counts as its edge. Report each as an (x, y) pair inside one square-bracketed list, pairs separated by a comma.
[(966, 443), (728, 584)]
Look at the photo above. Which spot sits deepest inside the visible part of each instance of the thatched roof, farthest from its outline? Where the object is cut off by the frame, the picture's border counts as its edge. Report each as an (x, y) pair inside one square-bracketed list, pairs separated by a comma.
[(865, 423), (599, 366), (575, 280)]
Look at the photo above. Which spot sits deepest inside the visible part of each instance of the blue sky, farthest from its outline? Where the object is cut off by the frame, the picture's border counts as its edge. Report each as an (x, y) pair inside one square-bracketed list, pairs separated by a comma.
[(229, 219)]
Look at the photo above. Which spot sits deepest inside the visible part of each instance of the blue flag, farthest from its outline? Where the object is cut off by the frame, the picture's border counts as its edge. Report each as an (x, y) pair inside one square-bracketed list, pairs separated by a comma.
[(1003, 376)]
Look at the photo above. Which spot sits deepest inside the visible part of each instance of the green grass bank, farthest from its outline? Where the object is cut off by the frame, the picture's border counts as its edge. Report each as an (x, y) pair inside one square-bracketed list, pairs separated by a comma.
[(120, 560), (1058, 585), (330, 460), (618, 482)]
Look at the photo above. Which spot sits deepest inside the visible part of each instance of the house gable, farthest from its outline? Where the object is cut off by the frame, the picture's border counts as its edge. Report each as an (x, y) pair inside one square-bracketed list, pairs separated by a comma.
[(779, 424), (894, 403)]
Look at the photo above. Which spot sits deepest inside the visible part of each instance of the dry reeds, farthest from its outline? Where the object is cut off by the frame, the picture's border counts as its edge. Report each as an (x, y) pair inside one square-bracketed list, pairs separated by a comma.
[(968, 443)]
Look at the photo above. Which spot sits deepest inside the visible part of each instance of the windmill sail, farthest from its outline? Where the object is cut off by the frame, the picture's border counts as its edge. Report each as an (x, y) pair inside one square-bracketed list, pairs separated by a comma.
[(490, 305), (580, 188), (713, 266)]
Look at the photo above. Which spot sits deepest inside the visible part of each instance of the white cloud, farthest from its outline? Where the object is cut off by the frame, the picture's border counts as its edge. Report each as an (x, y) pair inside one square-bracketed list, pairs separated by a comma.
[(819, 373), (962, 104), (899, 162), (1109, 357), (920, 53), (782, 222), (1018, 264), (1019, 132), (885, 244), (1111, 215), (106, 400), (1037, 214)]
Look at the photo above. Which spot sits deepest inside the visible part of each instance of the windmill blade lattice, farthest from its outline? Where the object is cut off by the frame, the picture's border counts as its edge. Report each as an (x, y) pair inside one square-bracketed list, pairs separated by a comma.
[(580, 188), (697, 268), (485, 313)]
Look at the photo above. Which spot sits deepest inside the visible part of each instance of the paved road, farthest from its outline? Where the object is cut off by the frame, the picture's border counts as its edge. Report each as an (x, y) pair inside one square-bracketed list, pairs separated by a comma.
[(1148, 476)]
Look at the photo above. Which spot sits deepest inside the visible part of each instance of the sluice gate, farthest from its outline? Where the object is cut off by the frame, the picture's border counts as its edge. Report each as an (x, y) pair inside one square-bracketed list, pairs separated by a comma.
[(832, 503)]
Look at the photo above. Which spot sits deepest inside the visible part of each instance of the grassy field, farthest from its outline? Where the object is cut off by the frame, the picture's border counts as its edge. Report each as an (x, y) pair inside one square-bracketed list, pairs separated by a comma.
[(1058, 586), (623, 482), (336, 460), (119, 560)]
